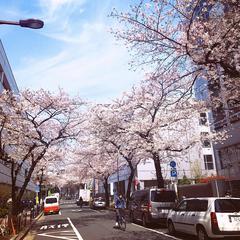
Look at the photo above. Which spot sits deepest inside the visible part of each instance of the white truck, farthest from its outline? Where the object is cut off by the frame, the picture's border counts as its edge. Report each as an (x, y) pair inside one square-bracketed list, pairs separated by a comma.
[(85, 194)]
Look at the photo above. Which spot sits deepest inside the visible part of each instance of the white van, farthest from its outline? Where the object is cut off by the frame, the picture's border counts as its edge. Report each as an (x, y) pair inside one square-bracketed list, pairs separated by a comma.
[(206, 217), (51, 205)]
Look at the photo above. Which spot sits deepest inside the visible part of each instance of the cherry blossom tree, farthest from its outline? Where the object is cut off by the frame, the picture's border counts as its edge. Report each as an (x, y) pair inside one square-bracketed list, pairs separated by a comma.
[(97, 161), (33, 124), (160, 123), (109, 124), (198, 38), (45, 171)]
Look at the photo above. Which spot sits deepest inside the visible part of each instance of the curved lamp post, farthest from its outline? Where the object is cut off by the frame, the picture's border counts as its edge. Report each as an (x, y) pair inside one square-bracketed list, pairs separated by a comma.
[(28, 23)]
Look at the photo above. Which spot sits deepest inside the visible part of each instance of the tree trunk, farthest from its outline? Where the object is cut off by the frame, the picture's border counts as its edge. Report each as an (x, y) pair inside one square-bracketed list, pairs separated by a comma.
[(130, 180), (16, 206), (157, 164), (40, 186), (105, 184)]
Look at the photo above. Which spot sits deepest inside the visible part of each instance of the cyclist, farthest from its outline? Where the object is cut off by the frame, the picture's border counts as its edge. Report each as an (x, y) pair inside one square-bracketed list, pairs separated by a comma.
[(120, 205)]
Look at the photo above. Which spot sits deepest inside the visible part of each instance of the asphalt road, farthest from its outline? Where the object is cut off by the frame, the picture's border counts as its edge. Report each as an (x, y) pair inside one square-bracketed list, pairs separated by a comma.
[(88, 224)]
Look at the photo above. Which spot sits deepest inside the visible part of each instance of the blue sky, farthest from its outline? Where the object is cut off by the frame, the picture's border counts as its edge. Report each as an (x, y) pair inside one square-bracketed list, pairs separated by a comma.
[(74, 51)]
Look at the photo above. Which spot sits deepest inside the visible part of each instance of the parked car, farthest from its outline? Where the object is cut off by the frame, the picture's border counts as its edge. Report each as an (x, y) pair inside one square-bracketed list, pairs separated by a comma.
[(206, 217), (51, 205), (98, 202), (151, 205)]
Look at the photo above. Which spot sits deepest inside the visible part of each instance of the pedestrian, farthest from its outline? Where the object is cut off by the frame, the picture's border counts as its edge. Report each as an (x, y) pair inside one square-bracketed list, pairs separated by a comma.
[(228, 194), (80, 202)]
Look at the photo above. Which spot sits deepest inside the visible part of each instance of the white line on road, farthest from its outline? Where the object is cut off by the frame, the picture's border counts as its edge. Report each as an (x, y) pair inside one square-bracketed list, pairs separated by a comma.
[(75, 230), (161, 233), (60, 213), (53, 236)]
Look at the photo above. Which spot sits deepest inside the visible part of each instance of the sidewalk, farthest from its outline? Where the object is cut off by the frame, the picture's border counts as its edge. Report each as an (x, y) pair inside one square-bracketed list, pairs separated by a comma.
[(23, 234)]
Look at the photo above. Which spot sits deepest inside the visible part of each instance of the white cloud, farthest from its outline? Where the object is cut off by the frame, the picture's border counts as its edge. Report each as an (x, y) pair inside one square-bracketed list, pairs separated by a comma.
[(94, 66), (90, 63)]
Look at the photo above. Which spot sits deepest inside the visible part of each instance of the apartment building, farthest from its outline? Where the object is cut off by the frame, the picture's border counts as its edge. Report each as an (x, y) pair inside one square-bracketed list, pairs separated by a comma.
[(7, 81), (227, 119)]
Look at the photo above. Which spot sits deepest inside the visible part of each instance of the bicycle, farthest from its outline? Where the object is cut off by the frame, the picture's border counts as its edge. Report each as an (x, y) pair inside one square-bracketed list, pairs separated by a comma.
[(121, 219)]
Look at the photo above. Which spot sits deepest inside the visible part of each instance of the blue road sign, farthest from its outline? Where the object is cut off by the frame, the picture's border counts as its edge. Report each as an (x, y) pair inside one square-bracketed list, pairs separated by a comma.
[(173, 172), (37, 189), (173, 164)]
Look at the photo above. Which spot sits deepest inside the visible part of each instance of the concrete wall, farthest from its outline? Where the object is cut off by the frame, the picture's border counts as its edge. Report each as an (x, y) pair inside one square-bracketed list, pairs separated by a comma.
[(215, 188)]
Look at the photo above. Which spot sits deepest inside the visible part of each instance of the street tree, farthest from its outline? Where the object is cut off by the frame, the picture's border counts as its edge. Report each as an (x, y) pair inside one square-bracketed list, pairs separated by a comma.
[(160, 121), (33, 124), (96, 160), (109, 124), (198, 38)]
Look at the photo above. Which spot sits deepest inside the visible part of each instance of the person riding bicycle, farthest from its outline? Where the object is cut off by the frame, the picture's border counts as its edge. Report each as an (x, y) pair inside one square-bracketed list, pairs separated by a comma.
[(120, 205)]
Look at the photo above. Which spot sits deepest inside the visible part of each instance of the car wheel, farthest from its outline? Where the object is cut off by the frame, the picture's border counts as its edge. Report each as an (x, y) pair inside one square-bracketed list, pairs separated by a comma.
[(201, 234), (131, 217), (171, 228), (144, 220)]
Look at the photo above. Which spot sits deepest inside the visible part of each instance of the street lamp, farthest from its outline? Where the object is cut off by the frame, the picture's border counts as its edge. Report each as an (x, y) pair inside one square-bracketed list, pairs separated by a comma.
[(28, 23)]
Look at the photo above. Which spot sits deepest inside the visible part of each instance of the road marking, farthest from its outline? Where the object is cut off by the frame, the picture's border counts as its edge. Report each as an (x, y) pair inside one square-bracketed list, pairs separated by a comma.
[(77, 210), (45, 227), (75, 230), (67, 235), (52, 236), (60, 213), (160, 233)]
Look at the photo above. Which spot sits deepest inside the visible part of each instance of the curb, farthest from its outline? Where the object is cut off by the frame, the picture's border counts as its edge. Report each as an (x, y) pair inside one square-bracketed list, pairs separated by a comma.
[(23, 233)]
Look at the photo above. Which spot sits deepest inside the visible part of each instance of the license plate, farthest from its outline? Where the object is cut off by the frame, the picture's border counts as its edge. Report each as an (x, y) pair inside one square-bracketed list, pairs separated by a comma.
[(235, 219), (163, 210)]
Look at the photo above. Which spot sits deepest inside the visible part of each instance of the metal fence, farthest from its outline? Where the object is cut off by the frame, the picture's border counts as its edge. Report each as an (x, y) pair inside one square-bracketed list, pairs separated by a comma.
[(24, 219)]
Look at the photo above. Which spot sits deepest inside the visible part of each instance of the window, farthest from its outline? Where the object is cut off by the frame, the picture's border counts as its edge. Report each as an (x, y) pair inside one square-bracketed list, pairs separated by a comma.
[(227, 205), (182, 206), (205, 140), (208, 162), (206, 143), (203, 119), (163, 196), (197, 205), (51, 200)]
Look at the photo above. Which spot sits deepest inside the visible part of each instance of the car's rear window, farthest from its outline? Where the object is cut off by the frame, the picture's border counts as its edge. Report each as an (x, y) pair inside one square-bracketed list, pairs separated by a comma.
[(51, 200), (163, 196), (227, 205), (99, 199)]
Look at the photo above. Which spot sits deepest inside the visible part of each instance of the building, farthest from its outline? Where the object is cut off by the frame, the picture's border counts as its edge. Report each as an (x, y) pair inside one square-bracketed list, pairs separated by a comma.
[(227, 119), (8, 82), (196, 162), (227, 152), (225, 116)]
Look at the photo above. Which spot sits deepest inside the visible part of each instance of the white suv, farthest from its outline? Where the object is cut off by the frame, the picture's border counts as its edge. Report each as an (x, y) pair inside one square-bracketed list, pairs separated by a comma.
[(206, 217)]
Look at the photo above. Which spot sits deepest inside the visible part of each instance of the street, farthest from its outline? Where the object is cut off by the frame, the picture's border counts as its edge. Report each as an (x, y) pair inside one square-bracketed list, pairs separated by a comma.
[(89, 224)]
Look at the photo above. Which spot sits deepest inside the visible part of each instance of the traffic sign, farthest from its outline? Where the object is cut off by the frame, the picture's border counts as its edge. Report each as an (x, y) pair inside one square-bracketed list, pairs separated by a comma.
[(37, 188), (173, 172), (173, 164)]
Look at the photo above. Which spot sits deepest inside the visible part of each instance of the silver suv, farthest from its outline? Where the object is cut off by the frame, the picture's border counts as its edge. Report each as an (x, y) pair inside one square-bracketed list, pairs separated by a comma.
[(151, 205), (206, 217)]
